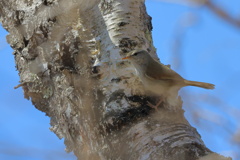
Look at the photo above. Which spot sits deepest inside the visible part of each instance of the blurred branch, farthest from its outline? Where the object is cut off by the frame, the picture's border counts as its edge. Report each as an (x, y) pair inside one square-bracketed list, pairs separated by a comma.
[(213, 7), (220, 12), (214, 115), (187, 21)]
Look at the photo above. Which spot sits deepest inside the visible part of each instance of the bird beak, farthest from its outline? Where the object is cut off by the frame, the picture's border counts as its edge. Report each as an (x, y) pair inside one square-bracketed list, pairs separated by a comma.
[(126, 57)]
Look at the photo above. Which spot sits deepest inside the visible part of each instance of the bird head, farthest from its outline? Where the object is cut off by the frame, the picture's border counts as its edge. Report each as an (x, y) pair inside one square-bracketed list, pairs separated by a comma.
[(138, 57)]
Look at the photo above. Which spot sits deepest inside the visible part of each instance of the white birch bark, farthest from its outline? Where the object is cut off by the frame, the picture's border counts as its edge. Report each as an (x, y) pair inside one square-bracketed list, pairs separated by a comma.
[(68, 54)]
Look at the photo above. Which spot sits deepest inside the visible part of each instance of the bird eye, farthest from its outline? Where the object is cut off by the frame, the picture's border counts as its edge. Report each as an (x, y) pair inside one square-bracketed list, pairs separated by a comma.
[(135, 54)]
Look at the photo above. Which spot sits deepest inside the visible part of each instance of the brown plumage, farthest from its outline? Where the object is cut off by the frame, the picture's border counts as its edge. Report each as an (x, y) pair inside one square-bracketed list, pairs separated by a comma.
[(158, 78)]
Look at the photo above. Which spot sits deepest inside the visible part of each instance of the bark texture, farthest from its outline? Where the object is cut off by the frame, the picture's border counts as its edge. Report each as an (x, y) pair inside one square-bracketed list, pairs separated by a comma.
[(68, 54)]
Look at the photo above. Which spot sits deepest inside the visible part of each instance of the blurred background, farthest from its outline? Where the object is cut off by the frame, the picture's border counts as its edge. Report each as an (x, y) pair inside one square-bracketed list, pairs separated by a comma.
[(201, 41)]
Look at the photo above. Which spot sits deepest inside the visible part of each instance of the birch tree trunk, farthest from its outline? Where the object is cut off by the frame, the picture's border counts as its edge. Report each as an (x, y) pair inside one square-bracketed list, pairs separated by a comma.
[(68, 54)]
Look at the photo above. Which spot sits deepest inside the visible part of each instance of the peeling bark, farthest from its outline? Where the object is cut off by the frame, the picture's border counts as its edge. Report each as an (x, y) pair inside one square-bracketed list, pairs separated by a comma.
[(68, 54)]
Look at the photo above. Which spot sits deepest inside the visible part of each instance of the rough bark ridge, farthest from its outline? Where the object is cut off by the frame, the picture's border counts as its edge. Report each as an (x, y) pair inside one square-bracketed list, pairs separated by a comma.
[(68, 54)]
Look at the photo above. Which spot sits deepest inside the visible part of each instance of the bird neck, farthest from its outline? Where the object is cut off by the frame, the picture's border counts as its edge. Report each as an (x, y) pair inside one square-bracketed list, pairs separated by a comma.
[(140, 68)]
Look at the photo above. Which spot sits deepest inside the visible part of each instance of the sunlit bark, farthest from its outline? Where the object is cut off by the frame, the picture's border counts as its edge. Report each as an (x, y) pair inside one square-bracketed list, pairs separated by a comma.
[(68, 54)]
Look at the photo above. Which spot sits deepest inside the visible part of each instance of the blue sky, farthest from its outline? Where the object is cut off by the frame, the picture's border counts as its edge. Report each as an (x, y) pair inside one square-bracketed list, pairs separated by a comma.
[(209, 52)]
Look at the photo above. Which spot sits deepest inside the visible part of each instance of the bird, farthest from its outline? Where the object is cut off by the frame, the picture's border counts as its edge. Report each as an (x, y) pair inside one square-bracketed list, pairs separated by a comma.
[(159, 79)]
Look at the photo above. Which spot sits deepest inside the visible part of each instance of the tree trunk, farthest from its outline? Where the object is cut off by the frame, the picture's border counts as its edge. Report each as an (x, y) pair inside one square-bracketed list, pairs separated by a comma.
[(68, 54)]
